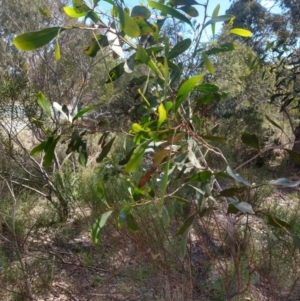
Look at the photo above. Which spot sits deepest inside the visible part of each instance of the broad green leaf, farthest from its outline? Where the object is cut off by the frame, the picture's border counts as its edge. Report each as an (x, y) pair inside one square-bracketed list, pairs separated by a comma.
[(105, 150), (179, 48), (93, 16), (185, 89), (141, 11), (182, 247), (294, 155), (36, 39), (186, 226), (115, 73), (190, 10), (275, 221), (222, 18), (98, 225), (285, 182), (201, 176), (38, 149), (250, 140), (94, 47), (84, 111), (274, 123), (131, 223), (142, 55), (43, 103), (170, 11), (222, 48), (205, 87), (162, 115), (237, 176), (137, 156), (214, 15), (129, 26), (102, 139), (70, 11), (208, 64), (145, 27), (57, 51), (49, 152), (241, 32), (243, 207)]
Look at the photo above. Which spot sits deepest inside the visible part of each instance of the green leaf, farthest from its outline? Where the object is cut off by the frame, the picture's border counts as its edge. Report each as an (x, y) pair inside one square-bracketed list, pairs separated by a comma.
[(214, 138), (182, 247), (205, 87), (179, 48), (250, 140), (142, 55), (127, 158), (137, 156), (222, 48), (141, 11), (241, 32), (190, 10), (170, 11), (36, 39), (145, 27), (185, 89), (70, 11), (131, 223), (186, 226), (201, 176), (208, 64), (80, 6), (222, 18), (129, 26), (74, 143), (275, 221), (49, 151), (98, 225), (115, 73), (83, 156), (162, 115), (274, 123), (285, 182), (214, 15), (294, 155), (83, 111), (243, 207), (43, 103), (93, 48), (105, 150), (237, 176), (57, 51), (38, 149)]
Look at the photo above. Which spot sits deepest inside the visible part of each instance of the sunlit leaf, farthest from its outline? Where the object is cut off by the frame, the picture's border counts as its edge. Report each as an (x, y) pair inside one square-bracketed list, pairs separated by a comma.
[(185, 89), (201, 176), (36, 39), (83, 112), (208, 64), (57, 51), (205, 87), (115, 73), (80, 6), (214, 15), (98, 225), (145, 27), (145, 58), (136, 157), (38, 149), (43, 103), (129, 26), (162, 115), (241, 32), (70, 11), (49, 152)]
